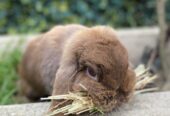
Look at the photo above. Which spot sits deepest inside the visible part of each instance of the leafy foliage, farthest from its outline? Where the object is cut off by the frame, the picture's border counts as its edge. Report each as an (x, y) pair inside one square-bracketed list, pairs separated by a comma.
[(9, 60), (22, 16)]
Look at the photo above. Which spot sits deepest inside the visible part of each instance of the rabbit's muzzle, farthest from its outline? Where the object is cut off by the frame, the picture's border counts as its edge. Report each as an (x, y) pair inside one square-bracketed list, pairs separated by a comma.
[(103, 99)]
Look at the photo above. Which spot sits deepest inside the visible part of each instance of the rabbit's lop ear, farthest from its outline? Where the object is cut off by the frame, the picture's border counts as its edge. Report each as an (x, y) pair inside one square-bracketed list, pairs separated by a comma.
[(67, 70), (65, 73)]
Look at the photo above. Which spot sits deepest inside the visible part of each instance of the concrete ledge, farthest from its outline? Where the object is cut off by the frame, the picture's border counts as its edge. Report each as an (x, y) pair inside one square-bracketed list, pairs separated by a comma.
[(150, 104)]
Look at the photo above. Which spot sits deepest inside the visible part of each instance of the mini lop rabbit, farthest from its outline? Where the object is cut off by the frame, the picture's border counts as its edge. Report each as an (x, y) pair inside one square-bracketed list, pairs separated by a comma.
[(66, 56)]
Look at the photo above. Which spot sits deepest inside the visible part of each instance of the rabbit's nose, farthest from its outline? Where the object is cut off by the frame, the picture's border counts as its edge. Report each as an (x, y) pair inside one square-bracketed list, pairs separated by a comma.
[(77, 88)]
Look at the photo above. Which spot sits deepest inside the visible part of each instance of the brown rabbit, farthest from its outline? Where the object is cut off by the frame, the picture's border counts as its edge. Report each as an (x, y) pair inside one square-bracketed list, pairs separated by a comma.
[(67, 56)]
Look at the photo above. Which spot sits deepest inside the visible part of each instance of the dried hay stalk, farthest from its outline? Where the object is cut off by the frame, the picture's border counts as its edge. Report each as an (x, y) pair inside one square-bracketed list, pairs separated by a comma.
[(81, 102)]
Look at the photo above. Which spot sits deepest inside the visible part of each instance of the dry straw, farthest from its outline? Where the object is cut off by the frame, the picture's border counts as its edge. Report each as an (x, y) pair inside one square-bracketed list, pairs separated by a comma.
[(81, 102)]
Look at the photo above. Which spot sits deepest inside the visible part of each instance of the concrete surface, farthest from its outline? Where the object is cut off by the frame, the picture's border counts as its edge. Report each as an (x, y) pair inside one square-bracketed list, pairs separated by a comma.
[(150, 104), (134, 39)]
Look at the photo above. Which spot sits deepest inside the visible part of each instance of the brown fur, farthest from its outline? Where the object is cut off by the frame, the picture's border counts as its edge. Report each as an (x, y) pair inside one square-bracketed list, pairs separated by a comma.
[(59, 58)]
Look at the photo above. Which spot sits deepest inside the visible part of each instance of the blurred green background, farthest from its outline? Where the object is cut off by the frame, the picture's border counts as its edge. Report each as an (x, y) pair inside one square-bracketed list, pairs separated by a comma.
[(35, 16), (28, 16)]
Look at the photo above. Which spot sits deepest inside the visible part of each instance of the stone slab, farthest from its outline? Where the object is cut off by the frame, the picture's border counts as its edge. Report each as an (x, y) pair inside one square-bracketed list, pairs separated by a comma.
[(150, 104)]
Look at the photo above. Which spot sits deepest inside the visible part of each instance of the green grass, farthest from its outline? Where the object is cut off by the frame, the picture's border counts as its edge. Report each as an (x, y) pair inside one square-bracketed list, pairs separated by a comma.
[(9, 60)]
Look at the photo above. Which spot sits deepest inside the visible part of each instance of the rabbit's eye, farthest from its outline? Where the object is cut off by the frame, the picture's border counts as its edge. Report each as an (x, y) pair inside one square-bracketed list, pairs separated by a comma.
[(91, 73)]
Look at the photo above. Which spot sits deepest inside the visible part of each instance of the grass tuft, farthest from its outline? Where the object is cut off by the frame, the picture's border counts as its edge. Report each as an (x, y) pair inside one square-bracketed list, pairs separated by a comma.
[(9, 59)]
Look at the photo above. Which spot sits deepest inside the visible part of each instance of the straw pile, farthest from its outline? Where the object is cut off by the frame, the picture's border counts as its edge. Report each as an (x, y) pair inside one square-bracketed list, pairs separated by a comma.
[(81, 102)]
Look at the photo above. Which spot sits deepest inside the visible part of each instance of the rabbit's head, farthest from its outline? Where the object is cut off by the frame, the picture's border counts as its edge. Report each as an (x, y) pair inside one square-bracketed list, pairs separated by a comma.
[(95, 60)]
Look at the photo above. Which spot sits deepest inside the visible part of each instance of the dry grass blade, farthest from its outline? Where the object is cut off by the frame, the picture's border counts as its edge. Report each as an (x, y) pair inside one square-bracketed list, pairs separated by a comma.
[(146, 90), (81, 102), (140, 70), (143, 79)]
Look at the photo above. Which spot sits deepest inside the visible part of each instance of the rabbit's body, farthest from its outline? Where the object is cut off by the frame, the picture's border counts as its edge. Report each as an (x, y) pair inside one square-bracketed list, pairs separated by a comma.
[(42, 59), (67, 56)]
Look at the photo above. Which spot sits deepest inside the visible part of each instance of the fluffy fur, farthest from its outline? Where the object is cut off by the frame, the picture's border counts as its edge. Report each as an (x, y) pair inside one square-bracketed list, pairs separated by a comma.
[(57, 62)]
